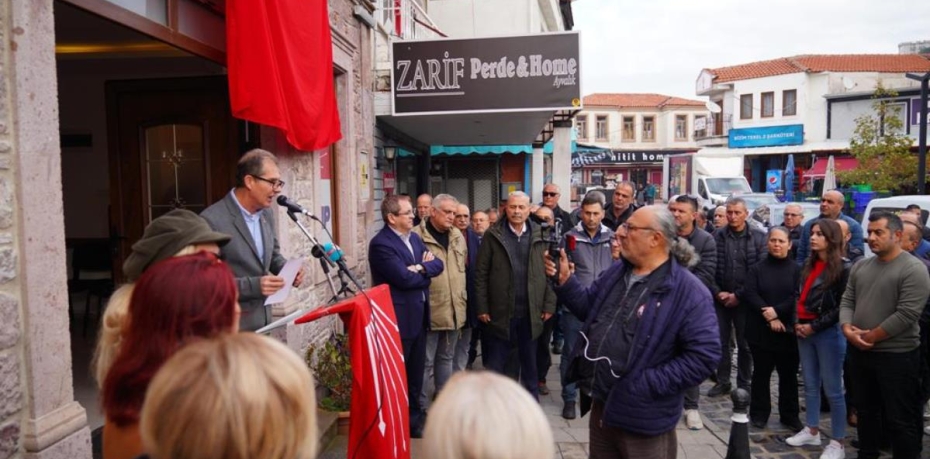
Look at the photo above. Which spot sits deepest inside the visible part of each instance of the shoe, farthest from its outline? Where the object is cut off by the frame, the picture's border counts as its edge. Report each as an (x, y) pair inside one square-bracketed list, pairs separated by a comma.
[(793, 425), (693, 420), (833, 451), (568, 411), (804, 437), (758, 423), (543, 389), (557, 347), (719, 389)]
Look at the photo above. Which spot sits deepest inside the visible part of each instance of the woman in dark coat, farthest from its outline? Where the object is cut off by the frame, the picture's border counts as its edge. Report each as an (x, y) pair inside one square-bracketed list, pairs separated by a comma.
[(769, 295)]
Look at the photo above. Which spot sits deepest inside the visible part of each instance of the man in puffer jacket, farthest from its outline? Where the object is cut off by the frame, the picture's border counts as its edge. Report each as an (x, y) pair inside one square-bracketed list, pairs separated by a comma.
[(590, 255), (649, 334)]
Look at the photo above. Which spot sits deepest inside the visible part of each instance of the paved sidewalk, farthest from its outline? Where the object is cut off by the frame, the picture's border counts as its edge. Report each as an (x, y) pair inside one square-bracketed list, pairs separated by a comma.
[(571, 437)]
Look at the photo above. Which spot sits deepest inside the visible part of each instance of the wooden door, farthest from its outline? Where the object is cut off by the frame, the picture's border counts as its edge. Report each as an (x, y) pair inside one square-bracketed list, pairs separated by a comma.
[(171, 145)]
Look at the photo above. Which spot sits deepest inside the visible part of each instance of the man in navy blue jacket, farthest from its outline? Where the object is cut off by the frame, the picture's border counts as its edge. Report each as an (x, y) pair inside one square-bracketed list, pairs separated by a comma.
[(398, 258), (650, 333)]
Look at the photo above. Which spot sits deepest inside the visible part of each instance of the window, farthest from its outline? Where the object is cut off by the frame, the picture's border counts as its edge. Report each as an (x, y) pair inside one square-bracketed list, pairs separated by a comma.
[(649, 132), (789, 102), (629, 126), (768, 104), (745, 107), (602, 131), (681, 127), (581, 126), (700, 126)]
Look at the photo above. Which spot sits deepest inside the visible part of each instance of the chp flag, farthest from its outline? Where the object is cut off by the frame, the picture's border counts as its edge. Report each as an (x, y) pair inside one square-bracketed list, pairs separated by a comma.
[(379, 426)]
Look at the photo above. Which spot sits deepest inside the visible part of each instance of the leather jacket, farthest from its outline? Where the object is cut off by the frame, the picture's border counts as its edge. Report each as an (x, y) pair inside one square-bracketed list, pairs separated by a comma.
[(824, 302)]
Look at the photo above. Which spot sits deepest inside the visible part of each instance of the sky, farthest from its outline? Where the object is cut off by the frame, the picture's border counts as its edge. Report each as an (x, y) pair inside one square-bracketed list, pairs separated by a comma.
[(660, 46)]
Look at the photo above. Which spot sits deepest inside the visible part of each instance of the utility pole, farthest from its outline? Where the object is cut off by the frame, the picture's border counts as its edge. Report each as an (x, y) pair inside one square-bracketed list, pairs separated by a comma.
[(922, 140)]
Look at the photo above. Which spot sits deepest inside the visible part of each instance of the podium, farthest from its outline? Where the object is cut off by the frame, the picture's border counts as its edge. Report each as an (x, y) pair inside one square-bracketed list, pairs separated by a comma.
[(379, 425)]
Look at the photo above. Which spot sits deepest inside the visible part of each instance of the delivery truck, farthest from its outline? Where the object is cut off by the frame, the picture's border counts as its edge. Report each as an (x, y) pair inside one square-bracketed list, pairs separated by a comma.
[(712, 176)]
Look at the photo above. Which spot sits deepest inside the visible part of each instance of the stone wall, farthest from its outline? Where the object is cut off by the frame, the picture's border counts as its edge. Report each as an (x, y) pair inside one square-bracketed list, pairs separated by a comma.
[(301, 170), (38, 415)]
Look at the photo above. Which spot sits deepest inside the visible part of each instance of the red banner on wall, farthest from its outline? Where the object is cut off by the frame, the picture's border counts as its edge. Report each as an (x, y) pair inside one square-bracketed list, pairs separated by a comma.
[(280, 61)]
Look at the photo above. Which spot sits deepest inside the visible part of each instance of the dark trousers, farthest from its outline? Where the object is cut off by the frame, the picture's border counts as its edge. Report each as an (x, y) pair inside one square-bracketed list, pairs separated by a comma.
[(727, 320), (415, 362), (521, 339), (558, 334), (614, 443), (785, 362), (543, 357), (888, 382)]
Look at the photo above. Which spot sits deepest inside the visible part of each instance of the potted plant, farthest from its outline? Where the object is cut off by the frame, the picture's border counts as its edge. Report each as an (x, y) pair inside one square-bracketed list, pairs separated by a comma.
[(332, 368)]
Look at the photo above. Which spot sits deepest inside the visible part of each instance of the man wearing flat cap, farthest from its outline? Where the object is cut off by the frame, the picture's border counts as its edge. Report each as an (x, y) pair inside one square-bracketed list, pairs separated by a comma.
[(253, 253)]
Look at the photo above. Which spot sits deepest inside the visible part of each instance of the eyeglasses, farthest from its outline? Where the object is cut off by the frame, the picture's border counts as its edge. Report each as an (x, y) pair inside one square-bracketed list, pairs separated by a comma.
[(550, 194), (275, 184), (790, 214), (404, 214), (461, 215), (630, 228)]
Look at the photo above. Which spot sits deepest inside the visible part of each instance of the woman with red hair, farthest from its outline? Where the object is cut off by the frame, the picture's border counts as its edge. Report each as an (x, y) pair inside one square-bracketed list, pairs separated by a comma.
[(174, 302)]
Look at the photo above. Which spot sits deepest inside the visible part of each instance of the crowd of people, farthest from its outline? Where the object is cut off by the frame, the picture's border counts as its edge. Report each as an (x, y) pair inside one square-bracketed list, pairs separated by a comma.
[(644, 302)]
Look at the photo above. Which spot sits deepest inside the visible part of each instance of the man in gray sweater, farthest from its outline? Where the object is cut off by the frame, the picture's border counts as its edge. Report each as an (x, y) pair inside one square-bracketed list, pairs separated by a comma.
[(879, 312)]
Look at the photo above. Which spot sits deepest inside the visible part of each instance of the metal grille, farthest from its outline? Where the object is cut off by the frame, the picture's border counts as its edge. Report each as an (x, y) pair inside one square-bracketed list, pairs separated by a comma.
[(474, 182)]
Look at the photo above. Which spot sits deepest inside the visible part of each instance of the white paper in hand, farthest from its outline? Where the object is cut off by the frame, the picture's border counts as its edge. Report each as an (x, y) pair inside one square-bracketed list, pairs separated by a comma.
[(289, 273)]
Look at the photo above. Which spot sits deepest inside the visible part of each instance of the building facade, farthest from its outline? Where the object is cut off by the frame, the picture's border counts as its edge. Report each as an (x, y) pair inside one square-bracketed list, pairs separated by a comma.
[(634, 132), (112, 113), (477, 154), (771, 109)]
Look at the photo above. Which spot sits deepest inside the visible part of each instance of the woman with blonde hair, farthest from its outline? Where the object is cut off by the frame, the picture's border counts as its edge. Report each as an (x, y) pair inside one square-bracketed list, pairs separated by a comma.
[(483, 415), (237, 396), (177, 233)]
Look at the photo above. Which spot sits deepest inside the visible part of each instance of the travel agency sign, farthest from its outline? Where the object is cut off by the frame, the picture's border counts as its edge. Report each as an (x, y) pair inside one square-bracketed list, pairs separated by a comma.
[(523, 73)]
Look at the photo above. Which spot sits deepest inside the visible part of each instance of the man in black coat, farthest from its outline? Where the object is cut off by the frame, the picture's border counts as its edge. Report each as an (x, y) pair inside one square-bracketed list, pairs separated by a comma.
[(685, 209), (794, 215), (739, 246), (622, 206)]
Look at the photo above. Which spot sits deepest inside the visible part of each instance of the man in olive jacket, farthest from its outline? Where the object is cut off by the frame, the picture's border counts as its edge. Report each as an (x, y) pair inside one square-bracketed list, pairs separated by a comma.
[(514, 297), (447, 291)]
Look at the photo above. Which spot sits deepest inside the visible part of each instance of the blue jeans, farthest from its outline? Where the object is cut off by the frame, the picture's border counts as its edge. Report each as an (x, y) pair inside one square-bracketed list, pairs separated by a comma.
[(822, 356), (571, 327), (440, 359)]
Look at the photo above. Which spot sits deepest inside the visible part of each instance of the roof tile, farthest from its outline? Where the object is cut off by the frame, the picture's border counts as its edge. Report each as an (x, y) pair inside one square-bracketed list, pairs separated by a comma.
[(883, 63), (637, 100)]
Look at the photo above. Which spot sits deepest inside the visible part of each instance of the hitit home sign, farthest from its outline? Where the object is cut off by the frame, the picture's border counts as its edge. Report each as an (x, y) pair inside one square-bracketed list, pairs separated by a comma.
[(526, 73)]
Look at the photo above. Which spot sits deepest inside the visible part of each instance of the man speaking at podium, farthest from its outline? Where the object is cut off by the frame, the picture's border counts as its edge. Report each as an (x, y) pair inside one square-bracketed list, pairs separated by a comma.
[(398, 257), (253, 253)]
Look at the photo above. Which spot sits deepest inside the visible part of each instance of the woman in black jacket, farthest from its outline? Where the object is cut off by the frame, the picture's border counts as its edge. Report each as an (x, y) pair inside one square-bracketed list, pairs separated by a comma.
[(769, 295), (821, 344)]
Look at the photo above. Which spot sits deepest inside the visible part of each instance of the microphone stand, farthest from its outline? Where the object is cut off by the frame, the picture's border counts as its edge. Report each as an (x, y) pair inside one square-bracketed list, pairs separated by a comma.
[(317, 251)]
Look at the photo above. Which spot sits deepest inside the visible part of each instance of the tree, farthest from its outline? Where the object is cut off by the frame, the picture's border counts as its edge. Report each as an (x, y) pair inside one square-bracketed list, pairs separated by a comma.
[(881, 147)]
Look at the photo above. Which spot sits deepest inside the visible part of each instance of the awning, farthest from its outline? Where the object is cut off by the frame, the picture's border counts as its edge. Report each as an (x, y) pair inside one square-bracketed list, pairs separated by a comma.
[(527, 148), (809, 147), (819, 169)]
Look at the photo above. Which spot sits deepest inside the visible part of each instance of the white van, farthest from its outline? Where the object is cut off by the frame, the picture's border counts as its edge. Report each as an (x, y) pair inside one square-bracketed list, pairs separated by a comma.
[(895, 205)]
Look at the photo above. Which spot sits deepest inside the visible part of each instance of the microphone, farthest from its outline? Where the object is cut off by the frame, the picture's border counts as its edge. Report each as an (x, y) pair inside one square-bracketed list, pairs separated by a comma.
[(570, 244), (293, 206), (332, 252)]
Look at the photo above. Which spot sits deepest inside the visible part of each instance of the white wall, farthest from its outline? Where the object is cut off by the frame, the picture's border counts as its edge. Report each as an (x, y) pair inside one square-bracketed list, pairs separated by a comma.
[(488, 18), (82, 110), (664, 127)]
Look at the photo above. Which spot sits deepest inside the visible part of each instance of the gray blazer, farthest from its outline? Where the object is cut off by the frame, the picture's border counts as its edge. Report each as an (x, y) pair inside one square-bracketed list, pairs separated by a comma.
[(242, 257)]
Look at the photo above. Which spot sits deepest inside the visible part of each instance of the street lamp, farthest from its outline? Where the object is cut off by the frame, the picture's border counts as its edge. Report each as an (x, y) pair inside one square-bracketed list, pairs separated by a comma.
[(390, 153), (922, 141)]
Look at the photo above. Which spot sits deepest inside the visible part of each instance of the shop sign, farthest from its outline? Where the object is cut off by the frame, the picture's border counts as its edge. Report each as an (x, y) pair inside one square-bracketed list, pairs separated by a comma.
[(523, 73), (792, 134)]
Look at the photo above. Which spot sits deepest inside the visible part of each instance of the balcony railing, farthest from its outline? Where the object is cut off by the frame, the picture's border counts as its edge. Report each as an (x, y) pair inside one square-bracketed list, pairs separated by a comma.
[(406, 20), (714, 126)]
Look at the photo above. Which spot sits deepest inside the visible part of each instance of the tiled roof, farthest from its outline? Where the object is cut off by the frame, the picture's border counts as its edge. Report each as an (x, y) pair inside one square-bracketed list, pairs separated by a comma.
[(624, 100), (883, 63)]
